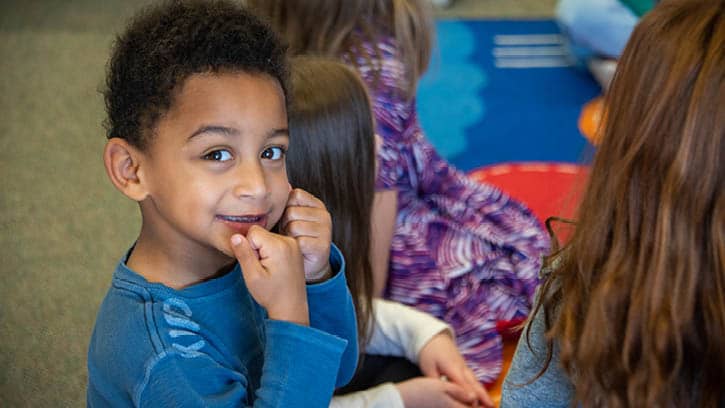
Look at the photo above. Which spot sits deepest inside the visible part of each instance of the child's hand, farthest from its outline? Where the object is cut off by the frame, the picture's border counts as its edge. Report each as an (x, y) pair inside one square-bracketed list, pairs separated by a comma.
[(424, 392), (440, 357), (306, 219), (272, 268)]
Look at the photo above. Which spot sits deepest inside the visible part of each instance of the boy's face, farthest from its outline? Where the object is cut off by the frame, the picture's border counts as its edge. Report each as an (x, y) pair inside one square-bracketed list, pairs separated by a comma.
[(216, 163)]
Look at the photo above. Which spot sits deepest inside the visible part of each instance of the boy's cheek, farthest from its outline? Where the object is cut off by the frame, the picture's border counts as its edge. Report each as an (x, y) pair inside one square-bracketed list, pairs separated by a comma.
[(275, 216), (279, 198)]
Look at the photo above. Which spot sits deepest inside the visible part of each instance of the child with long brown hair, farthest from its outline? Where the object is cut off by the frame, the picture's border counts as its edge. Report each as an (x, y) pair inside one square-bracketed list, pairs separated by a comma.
[(632, 311), (332, 155), (462, 251)]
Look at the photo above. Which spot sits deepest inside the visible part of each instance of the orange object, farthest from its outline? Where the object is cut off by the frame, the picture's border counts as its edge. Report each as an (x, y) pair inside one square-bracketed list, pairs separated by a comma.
[(590, 120), (494, 390), (510, 331)]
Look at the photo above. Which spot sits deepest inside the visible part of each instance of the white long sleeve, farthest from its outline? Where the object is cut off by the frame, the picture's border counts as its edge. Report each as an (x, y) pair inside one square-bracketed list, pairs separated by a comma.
[(382, 396), (399, 330)]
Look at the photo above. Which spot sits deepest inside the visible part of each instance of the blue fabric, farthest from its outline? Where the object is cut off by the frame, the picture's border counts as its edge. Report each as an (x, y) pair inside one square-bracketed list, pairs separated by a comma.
[(477, 108), (596, 27), (212, 345)]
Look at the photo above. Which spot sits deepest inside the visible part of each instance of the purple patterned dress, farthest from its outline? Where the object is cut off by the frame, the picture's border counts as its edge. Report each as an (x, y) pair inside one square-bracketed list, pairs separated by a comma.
[(462, 251)]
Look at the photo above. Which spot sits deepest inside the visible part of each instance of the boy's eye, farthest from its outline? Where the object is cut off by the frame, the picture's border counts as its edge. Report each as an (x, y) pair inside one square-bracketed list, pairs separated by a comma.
[(218, 155), (273, 153)]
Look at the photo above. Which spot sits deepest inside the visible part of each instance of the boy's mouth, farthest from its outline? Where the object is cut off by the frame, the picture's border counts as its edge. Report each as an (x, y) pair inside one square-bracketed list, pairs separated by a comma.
[(242, 223)]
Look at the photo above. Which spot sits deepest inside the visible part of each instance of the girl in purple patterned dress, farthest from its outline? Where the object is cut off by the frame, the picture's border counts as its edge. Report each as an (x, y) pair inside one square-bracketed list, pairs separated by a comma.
[(462, 251)]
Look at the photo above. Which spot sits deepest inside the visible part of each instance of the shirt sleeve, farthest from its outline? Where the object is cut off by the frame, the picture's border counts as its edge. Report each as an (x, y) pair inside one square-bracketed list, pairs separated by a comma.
[(332, 311), (300, 367), (400, 330), (383, 396), (552, 389)]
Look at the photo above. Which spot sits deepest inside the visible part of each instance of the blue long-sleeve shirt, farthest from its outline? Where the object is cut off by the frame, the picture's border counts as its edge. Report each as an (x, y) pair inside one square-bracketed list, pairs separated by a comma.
[(211, 344)]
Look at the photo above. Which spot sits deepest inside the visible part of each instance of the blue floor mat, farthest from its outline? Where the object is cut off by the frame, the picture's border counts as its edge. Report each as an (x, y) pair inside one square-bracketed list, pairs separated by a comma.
[(503, 91)]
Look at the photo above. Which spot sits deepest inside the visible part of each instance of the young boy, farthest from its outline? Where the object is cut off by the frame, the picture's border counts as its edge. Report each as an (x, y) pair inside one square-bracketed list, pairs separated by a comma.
[(210, 308)]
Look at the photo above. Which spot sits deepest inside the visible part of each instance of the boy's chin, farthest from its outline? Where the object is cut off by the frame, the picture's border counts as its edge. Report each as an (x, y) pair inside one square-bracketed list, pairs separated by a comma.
[(226, 250)]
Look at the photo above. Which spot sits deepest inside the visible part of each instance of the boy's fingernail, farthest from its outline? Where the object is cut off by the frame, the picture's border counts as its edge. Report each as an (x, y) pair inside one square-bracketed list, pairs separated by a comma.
[(236, 239)]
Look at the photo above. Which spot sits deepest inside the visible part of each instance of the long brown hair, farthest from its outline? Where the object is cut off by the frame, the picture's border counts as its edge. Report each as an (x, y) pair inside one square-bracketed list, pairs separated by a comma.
[(334, 28), (636, 301), (332, 155)]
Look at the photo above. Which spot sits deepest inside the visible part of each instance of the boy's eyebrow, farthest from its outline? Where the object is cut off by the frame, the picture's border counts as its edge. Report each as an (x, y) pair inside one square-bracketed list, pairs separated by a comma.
[(230, 131), (278, 132), (224, 130)]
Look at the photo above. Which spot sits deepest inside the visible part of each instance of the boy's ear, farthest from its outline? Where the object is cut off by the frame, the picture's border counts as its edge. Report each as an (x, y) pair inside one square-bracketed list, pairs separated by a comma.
[(122, 162)]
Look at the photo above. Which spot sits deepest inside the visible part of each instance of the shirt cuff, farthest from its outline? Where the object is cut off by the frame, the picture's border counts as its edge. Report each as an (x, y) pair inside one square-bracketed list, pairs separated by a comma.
[(300, 358), (382, 396), (337, 265)]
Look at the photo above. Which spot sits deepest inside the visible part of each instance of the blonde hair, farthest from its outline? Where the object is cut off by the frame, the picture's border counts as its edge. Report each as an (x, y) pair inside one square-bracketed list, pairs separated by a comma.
[(636, 301), (334, 28)]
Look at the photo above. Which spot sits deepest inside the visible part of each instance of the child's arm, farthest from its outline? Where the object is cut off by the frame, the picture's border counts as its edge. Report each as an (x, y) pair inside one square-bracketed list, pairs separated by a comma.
[(307, 359), (382, 396), (300, 365), (399, 330), (332, 311), (403, 331), (420, 392), (440, 358), (384, 213), (330, 304), (417, 392)]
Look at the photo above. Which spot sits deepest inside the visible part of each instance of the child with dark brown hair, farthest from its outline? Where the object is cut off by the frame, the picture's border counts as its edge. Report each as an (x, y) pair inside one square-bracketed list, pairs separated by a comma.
[(210, 306)]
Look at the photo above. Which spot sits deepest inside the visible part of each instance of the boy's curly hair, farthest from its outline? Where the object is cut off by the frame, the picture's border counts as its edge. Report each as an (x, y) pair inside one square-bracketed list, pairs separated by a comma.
[(165, 44)]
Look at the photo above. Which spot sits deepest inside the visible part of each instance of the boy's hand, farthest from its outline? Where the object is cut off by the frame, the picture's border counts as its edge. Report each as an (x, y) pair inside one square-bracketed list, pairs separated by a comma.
[(440, 357), (272, 268), (306, 219)]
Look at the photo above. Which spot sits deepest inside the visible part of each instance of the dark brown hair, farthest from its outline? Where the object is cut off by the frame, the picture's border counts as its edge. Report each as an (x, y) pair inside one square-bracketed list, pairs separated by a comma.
[(334, 28), (636, 301), (332, 155), (168, 42)]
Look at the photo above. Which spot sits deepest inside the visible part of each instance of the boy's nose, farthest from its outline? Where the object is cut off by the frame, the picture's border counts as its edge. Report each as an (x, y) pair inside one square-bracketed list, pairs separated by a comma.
[(250, 181)]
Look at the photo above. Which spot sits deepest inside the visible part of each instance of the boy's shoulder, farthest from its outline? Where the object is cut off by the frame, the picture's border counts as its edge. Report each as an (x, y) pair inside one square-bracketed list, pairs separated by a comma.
[(122, 345), (129, 323), (143, 329), (152, 319)]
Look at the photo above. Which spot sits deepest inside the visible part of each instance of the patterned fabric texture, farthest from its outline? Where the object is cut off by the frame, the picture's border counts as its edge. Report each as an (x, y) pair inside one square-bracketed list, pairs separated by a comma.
[(462, 251)]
